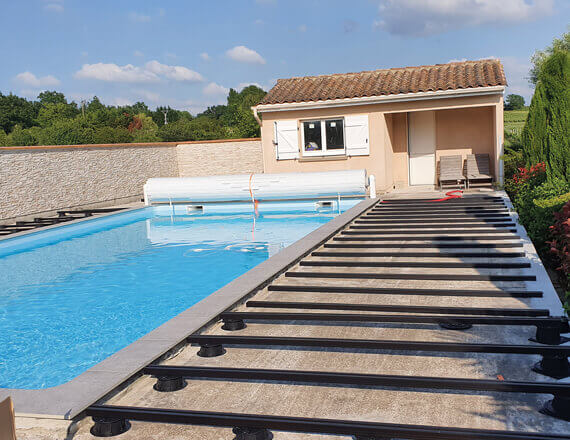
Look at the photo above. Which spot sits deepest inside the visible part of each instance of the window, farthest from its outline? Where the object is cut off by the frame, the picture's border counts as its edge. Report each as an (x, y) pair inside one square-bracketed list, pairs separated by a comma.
[(323, 137)]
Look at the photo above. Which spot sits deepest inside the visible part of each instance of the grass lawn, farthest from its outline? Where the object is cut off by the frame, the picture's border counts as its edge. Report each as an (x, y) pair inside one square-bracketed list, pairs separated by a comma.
[(514, 121)]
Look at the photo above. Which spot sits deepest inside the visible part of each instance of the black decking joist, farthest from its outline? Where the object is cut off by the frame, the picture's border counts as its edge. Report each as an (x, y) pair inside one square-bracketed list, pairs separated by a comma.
[(378, 344), (410, 276), (403, 291), (407, 318), (397, 308), (415, 254), (405, 264), (310, 425)]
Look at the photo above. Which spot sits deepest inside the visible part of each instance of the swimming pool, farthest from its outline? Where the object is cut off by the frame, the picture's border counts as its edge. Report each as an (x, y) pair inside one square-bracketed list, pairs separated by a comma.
[(72, 295)]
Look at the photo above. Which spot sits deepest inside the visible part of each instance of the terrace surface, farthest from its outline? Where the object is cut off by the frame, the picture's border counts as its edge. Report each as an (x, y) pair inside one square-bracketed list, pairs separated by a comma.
[(370, 266)]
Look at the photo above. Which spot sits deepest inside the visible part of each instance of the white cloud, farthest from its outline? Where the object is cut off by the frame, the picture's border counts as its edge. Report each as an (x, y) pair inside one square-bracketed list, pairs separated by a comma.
[(215, 89), (176, 73), (205, 56), (138, 53), (53, 5), (259, 21), (428, 17), (138, 17), (152, 71), (120, 101), (31, 80), (245, 55), (113, 73), (147, 95)]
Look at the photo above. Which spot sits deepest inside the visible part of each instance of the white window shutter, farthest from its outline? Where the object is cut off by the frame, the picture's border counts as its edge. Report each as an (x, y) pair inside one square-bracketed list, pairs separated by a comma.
[(356, 132), (286, 140)]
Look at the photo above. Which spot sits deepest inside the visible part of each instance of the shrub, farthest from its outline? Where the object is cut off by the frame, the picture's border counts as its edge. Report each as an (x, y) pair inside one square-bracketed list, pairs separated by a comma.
[(192, 130), (111, 135), (513, 160), (23, 137), (536, 199), (524, 180), (538, 222), (560, 245)]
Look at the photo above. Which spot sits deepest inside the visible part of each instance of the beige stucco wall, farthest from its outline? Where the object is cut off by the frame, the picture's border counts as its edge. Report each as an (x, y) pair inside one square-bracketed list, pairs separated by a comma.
[(470, 122), (212, 158), (465, 131), (39, 180)]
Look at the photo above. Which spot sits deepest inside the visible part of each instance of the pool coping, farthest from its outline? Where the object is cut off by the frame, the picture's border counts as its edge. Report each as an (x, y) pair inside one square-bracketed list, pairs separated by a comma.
[(68, 400)]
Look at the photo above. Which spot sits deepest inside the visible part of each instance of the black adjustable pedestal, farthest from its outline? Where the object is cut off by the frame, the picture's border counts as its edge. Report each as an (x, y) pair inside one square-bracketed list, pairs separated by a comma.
[(553, 366), (252, 434), (109, 427), (166, 384), (455, 325), (550, 334), (211, 350), (558, 407), (233, 324)]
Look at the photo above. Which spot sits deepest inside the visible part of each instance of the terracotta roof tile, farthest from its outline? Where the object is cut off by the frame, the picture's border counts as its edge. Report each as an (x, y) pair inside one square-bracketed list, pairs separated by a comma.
[(451, 76)]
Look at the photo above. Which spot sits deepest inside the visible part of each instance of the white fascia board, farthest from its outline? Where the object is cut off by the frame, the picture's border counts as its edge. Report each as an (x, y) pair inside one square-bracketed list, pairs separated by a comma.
[(417, 96)]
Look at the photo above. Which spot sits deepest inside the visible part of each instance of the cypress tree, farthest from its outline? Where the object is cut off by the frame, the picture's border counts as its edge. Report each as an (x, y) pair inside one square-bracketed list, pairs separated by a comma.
[(546, 134)]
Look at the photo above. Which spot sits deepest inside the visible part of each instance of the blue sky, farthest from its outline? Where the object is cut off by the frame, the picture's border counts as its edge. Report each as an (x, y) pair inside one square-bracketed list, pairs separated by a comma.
[(188, 53)]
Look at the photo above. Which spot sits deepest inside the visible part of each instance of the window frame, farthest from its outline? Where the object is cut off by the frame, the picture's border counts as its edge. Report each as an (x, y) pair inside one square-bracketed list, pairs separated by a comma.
[(324, 151)]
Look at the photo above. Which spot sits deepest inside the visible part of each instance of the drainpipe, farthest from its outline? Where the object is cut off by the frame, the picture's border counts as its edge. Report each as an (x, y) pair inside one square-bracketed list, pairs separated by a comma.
[(255, 115)]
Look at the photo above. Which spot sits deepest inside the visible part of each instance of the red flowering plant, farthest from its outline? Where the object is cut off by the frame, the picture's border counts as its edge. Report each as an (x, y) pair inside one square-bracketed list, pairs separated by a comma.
[(560, 244), (526, 179)]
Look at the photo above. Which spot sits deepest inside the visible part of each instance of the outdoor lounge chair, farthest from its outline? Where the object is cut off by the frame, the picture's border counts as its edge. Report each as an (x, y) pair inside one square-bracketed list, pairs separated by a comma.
[(477, 170), (7, 424), (451, 171)]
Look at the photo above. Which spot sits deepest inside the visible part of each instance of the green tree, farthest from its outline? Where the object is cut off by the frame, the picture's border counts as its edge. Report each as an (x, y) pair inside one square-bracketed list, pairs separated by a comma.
[(3, 139), (16, 111), (214, 112), (514, 102), (111, 135), (20, 137), (51, 97), (546, 134), (95, 105), (69, 132), (540, 56), (144, 129), (239, 116), (191, 130), (51, 112), (171, 115)]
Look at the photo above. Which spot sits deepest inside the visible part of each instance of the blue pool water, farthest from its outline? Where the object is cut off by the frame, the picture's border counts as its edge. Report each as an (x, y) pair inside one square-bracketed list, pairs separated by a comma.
[(74, 295)]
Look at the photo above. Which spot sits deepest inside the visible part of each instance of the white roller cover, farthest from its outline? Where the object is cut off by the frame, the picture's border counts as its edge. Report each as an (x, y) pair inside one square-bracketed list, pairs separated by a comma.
[(285, 186)]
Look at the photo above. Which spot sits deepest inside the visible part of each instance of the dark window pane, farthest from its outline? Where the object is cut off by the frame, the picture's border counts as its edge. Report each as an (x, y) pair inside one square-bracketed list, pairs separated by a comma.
[(335, 134), (313, 140)]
